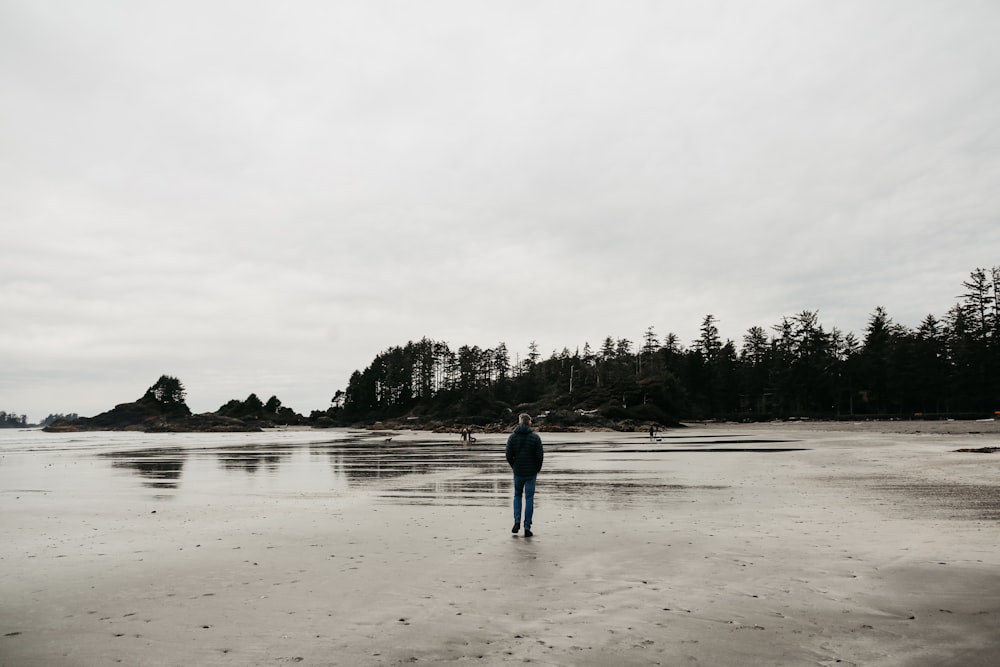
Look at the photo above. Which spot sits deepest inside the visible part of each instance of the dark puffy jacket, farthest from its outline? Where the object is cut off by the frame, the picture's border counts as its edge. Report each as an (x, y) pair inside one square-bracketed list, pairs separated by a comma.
[(524, 451)]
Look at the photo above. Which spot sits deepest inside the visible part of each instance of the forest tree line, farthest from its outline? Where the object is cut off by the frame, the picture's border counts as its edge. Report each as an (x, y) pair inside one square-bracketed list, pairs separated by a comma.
[(10, 420), (946, 366)]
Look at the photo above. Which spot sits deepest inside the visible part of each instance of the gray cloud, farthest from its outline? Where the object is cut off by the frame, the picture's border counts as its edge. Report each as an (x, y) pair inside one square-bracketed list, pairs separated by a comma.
[(261, 197)]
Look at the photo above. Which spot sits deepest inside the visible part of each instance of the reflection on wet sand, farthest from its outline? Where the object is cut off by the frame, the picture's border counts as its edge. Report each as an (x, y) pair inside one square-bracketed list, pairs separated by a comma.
[(159, 468), (252, 458), (586, 470)]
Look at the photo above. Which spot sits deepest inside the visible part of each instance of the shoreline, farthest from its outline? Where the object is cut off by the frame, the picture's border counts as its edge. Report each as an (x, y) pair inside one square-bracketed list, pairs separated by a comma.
[(915, 425)]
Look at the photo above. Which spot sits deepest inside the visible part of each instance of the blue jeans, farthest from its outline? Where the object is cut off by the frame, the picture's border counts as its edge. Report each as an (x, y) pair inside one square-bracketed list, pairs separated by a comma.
[(525, 486)]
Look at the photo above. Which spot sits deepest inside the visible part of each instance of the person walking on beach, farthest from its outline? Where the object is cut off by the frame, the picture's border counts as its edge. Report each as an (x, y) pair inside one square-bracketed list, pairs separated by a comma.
[(524, 454)]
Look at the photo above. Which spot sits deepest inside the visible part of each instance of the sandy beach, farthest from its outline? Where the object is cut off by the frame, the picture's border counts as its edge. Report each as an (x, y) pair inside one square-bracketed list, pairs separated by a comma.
[(870, 544)]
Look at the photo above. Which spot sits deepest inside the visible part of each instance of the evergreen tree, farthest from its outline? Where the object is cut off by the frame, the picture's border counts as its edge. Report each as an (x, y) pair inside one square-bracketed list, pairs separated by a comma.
[(755, 371), (533, 355), (501, 363), (608, 349), (167, 395), (709, 342), (876, 353)]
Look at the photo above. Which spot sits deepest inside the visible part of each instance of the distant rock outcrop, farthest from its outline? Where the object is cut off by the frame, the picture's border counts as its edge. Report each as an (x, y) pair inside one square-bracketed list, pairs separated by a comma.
[(161, 410), (138, 417)]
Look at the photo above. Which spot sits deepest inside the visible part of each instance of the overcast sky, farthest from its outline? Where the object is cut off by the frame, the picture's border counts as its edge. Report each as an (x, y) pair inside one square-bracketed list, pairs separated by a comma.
[(261, 196)]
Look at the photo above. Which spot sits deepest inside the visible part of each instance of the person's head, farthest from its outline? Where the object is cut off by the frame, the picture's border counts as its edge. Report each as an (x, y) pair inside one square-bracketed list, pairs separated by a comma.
[(524, 419)]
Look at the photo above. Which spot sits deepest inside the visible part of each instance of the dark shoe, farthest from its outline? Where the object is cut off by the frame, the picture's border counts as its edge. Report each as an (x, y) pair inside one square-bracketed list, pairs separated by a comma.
[(528, 533), (516, 528)]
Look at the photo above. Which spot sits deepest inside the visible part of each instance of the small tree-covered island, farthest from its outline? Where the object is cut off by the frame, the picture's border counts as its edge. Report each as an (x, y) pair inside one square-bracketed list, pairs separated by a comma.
[(946, 367), (163, 409)]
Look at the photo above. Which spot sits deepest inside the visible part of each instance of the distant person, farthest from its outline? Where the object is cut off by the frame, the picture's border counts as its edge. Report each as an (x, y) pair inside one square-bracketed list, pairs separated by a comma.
[(524, 454), (465, 435)]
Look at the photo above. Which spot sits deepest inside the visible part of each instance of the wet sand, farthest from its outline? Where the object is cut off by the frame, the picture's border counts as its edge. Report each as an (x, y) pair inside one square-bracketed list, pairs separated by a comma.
[(779, 544)]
